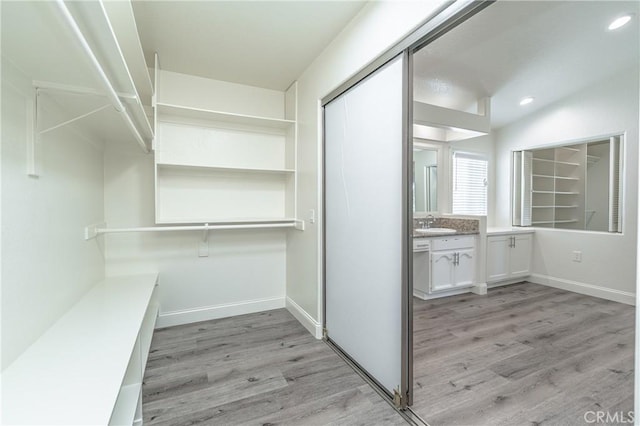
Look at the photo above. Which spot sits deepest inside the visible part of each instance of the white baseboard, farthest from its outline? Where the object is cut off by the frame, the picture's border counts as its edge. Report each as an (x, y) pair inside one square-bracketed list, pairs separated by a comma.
[(168, 319), (314, 327), (582, 288), (508, 282), (479, 289), (420, 294), (453, 292)]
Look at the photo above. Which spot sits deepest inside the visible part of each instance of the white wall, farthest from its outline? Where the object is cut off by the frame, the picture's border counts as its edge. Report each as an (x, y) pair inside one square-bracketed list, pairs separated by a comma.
[(376, 28), (245, 269), (46, 263), (608, 267)]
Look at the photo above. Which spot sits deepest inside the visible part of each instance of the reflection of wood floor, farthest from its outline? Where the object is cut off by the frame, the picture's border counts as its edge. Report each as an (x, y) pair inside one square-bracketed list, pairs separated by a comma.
[(260, 369), (523, 355)]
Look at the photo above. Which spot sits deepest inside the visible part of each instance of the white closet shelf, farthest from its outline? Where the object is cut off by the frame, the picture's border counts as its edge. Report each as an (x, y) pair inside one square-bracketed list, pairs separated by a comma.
[(554, 177), (545, 160), (165, 111), (592, 159), (123, 22), (191, 167), (548, 222), (556, 192)]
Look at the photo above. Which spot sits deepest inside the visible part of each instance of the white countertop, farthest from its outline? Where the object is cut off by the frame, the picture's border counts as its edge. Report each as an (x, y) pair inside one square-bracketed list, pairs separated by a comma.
[(509, 230)]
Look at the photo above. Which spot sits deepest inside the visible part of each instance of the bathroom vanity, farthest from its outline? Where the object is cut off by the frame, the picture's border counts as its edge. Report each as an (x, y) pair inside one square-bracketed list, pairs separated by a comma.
[(444, 257), (452, 256)]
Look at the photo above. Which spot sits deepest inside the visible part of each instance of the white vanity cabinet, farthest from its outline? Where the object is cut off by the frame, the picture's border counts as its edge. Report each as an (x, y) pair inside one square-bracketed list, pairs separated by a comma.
[(452, 262), (508, 256)]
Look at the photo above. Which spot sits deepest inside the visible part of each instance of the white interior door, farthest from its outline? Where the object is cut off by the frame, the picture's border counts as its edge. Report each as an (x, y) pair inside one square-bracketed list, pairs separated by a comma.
[(366, 257)]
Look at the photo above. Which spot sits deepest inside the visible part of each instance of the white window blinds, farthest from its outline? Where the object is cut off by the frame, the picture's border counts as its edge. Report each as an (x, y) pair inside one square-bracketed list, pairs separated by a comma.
[(469, 184)]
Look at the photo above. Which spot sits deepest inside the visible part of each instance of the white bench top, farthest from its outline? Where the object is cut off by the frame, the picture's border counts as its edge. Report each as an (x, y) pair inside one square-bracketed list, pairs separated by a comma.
[(72, 374)]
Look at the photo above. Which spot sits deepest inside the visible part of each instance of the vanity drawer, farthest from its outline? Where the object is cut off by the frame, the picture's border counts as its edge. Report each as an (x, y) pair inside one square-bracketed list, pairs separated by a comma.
[(453, 242), (421, 244)]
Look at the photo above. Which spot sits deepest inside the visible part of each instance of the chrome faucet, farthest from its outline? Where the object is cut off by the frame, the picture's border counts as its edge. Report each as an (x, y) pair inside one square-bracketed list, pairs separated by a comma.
[(429, 221)]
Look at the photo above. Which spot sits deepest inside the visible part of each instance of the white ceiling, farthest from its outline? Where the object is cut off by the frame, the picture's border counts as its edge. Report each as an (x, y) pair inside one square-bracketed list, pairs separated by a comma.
[(259, 43), (515, 49)]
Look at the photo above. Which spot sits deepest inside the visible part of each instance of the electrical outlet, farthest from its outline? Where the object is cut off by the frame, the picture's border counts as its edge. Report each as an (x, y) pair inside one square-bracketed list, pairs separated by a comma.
[(576, 256)]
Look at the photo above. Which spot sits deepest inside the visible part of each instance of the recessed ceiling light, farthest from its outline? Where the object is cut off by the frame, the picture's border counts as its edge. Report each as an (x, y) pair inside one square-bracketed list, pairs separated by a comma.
[(619, 22), (526, 101)]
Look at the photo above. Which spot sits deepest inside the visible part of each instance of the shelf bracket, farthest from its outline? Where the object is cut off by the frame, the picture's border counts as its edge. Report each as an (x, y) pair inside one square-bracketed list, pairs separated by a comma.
[(299, 225), (33, 163), (37, 114), (92, 231), (203, 249), (74, 119), (205, 233)]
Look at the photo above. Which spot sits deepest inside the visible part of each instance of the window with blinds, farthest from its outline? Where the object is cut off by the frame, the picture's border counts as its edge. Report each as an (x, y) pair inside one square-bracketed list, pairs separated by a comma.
[(469, 183)]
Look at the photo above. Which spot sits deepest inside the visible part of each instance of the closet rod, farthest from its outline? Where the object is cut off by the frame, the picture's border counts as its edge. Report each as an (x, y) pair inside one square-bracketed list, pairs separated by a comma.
[(197, 227), (111, 93)]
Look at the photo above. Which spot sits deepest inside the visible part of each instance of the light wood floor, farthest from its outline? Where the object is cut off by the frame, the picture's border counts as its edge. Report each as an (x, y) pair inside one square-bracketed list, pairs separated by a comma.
[(257, 369), (523, 355)]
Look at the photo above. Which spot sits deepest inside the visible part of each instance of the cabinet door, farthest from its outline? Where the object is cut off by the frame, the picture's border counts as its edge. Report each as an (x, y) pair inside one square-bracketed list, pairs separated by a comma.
[(464, 271), (520, 264), (498, 258), (421, 272), (441, 270)]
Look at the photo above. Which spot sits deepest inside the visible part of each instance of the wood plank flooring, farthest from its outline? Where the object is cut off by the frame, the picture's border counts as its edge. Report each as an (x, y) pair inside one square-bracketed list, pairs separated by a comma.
[(523, 355), (261, 369)]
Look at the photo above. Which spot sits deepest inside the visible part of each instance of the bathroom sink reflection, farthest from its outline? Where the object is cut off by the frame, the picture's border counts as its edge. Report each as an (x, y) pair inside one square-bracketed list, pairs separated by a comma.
[(435, 231)]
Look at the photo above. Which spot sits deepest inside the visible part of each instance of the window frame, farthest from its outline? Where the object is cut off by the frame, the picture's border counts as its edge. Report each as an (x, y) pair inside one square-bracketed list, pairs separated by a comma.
[(452, 167)]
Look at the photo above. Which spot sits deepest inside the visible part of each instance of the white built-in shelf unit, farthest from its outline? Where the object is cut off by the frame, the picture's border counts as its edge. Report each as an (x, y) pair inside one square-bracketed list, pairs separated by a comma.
[(86, 64), (557, 186), (224, 153)]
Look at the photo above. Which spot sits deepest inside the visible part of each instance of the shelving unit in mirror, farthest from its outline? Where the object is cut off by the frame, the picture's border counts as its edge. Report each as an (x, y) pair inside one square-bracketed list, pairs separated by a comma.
[(573, 186)]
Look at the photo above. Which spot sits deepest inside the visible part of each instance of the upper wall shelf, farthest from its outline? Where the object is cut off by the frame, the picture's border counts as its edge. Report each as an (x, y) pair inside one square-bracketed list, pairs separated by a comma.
[(185, 166), (224, 153), (179, 112), (75, 51)]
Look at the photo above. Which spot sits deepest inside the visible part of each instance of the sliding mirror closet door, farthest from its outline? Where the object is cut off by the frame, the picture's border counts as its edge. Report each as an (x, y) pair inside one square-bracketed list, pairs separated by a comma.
[(366, 233)]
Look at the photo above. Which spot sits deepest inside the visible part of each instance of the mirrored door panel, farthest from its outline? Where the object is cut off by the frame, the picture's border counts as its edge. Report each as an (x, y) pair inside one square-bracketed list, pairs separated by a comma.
[(365, 209)]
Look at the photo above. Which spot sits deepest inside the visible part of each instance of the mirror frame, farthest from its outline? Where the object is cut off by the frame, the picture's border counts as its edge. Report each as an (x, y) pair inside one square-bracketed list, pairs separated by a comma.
[(442, 176)]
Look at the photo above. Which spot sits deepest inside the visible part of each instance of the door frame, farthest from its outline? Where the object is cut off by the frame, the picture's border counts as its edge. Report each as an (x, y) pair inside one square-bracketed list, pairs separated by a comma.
[(447, 17)]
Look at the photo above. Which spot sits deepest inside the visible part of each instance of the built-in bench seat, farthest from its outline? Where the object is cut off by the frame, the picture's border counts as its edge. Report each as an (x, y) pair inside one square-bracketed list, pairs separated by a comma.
[(88, 367)]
